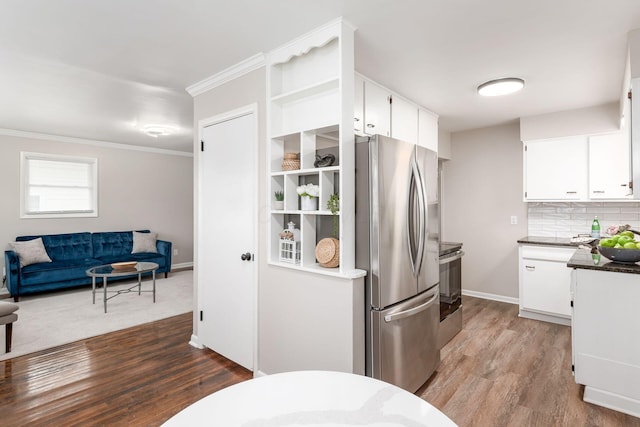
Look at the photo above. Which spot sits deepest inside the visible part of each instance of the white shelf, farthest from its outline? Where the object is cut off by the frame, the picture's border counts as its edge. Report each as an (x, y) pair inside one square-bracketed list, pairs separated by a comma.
[(306, 171), (310, 112), (307, 91), (318, 269), (301, 212)]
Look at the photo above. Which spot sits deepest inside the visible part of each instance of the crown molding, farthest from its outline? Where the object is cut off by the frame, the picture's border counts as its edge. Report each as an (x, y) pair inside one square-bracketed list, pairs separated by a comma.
[(224, 76), (96, 143)]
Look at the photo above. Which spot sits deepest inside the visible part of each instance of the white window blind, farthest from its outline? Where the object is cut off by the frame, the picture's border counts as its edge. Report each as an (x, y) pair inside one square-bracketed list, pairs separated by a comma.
[(58, 186)]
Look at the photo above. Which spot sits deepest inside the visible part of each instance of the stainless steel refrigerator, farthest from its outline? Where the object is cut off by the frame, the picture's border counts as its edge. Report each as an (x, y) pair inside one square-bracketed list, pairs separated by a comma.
[(397, 242)]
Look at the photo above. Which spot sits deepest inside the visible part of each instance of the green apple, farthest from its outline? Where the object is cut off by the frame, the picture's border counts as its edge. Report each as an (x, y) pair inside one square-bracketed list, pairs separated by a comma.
[(624, 239), (607, 243), (630, 245), (618, 246), (615, 238), (627, 233)]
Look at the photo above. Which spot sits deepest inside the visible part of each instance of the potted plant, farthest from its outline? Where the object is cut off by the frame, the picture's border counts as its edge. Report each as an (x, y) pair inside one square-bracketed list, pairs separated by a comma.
[(278, 204), (328, 249), (308, 196)]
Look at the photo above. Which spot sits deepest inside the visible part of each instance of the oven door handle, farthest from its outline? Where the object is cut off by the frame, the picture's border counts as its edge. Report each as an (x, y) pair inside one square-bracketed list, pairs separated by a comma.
[(447, 260)]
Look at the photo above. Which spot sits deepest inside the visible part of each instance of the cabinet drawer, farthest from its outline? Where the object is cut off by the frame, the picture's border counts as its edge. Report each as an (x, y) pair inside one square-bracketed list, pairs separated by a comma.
[(546, 253)]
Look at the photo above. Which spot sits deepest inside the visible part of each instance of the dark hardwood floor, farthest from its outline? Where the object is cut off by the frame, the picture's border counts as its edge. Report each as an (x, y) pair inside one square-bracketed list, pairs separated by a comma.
[(140, 376), (499, 371)]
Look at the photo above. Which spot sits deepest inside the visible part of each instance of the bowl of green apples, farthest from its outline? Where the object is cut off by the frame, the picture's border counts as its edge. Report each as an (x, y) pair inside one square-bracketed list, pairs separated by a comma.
[(621, 248)]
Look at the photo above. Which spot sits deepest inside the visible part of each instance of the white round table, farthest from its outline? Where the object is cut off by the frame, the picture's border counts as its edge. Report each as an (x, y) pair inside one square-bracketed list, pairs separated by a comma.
[(311, 398)]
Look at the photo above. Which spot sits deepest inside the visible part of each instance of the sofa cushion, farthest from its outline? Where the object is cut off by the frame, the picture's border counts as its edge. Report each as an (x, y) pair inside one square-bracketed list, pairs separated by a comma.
[(30, 251), (109, 244), (57, 271), (144, 242), (62, 247)]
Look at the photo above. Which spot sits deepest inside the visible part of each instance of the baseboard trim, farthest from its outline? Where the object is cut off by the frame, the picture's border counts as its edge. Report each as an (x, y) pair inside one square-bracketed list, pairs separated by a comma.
[(195, 342), (544, 317), (181, 265), (492, 297)]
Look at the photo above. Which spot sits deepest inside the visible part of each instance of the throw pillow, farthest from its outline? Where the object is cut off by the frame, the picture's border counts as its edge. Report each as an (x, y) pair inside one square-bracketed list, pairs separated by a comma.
[(30, 251), (144, 242)]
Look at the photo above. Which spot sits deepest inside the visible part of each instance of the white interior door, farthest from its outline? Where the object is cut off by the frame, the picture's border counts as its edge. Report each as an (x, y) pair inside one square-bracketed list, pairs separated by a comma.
[(226, 232)]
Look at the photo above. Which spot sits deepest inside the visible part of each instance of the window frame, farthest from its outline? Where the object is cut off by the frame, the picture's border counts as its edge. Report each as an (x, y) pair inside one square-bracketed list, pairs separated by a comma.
[(24, 185)]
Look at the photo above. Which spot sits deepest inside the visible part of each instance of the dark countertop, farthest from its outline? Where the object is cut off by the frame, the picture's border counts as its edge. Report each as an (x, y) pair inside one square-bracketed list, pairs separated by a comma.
[(548, 241), (583, 258), (447, 248)]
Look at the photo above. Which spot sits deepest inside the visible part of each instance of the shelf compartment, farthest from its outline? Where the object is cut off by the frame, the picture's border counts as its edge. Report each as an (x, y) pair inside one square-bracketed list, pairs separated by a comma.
[(303, 69), (307, 91)]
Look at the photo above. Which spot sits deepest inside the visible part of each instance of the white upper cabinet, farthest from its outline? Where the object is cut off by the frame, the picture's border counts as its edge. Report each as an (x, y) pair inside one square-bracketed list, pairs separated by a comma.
[(556, 169), (404, 120), (358, 105), (609, 166), (377, 110), (427, 129)]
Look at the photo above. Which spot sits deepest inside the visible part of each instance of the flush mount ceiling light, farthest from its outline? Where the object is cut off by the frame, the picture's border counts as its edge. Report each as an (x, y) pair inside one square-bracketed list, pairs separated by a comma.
[(500, 87), (157, 130)]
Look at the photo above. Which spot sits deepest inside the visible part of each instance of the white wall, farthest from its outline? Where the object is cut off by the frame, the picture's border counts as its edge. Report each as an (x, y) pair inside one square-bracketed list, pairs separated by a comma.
[(584, 121), (287, 317), (482, 189), (136, 190)]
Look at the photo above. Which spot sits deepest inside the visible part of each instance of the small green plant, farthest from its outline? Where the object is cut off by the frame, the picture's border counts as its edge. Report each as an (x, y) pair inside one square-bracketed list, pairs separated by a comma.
[(279, 195), (333, 204)]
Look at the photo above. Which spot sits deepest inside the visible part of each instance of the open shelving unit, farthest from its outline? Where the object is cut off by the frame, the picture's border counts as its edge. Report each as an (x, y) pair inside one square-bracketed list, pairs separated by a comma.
[(310, 112)]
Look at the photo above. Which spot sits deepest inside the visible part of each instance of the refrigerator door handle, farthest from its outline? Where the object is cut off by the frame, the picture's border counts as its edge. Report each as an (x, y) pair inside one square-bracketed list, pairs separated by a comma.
[(410, 219), (415, 310), (422, 214)]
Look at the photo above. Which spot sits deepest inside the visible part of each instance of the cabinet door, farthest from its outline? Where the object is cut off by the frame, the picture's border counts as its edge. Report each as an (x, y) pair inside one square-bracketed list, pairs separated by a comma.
[(556, 169), (546, 287), (358, 105), (404, 120), (427, 130), (377, 110), (609, 166)]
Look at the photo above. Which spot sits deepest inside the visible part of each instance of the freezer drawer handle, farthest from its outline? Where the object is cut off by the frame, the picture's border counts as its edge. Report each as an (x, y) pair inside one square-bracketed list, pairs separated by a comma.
[(415, 310)]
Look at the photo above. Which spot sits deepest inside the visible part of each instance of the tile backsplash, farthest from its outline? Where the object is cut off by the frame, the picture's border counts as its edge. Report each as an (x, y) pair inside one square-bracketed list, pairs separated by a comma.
[(556, 219)]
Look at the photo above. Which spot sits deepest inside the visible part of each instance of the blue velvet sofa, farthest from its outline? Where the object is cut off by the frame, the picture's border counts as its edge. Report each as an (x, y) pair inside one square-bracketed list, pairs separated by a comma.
[(71, 255)]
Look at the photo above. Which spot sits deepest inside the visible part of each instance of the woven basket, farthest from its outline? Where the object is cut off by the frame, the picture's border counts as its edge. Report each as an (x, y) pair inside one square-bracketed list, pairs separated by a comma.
[(290, 156), (289, 165), (328, 252)]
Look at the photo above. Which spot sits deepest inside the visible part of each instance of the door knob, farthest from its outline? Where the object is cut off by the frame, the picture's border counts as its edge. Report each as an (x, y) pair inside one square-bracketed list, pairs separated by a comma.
[(246, 257)]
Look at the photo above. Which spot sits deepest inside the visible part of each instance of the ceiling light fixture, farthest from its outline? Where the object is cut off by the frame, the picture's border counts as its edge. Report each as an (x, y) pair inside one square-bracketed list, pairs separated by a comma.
[(157, 130), (500, 87)]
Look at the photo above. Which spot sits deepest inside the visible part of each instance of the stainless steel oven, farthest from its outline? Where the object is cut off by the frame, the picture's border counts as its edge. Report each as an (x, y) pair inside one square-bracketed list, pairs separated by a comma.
[(450, 291)]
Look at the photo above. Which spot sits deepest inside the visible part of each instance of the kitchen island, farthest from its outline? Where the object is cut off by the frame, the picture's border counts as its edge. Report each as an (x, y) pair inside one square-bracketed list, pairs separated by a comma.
[(605, 330)]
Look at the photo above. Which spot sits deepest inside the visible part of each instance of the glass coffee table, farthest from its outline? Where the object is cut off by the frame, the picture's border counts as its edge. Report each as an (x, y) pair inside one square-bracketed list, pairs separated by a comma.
[(107, 271)]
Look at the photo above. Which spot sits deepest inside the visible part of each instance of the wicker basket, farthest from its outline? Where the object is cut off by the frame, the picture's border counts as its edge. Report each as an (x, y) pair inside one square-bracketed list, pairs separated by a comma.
[(328, 252), (290, 165), (290, 156)]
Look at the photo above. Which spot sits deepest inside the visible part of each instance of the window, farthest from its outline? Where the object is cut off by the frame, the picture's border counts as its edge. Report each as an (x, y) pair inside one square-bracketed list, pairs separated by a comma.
[(53, 186)]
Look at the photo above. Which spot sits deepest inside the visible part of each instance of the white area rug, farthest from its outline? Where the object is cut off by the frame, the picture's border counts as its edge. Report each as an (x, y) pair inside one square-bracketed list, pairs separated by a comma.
[(51, 319)]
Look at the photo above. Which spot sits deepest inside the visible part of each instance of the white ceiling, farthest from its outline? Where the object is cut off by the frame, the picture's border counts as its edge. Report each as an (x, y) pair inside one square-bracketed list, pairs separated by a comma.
[(101, 69)]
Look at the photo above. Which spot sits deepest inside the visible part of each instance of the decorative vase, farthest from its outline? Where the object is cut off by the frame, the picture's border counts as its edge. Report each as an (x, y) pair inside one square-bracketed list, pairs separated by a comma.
[(328, 252), (278, 205), (308, 203)]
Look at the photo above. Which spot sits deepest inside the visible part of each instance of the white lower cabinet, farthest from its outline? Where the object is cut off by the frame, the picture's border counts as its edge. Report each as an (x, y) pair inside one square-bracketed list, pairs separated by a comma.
[(605, 345), (545, 283)]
